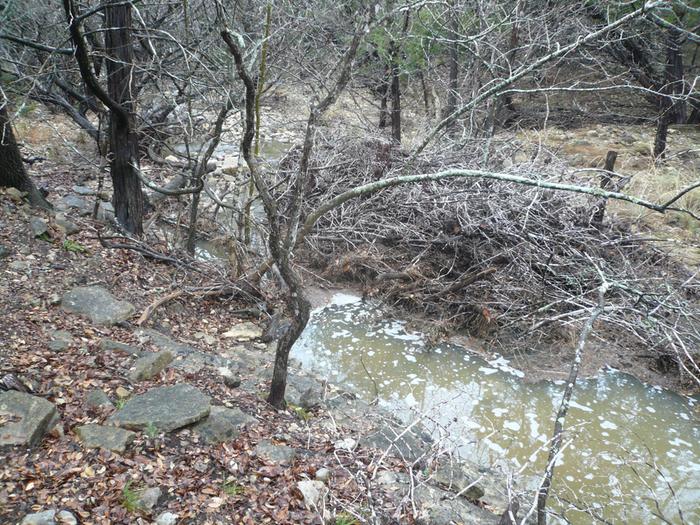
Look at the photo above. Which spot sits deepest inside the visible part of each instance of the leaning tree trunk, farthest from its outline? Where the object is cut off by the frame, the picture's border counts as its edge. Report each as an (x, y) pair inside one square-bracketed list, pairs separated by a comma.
[(128, 195), (12, 172)]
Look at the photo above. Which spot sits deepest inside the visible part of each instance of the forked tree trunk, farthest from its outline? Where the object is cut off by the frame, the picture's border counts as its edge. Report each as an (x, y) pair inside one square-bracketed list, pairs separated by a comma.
[(128, 196), (12, 172)]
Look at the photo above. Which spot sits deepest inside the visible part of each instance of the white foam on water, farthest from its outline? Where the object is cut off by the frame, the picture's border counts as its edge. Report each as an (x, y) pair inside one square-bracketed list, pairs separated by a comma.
[(512, 425), (608, 425), (585, 408)]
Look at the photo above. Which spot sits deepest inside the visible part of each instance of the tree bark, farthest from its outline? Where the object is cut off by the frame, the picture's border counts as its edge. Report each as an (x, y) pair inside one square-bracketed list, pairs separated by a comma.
[(12, 172), (672, 111), (128, 196)]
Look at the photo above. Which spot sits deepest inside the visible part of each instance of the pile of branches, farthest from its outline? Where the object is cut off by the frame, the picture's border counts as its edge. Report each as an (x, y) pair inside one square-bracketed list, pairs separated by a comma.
[(514, 264)]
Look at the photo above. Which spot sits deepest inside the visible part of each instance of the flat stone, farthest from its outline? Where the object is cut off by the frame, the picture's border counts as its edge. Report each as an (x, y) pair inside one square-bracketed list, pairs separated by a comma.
[(60, 340), (84, 190), (28, 418), (67, 226), (409, 446), (323, 474), (73, 201), (110, 438), (456, 478), (223, 424), (150, 365), (163, 342), (167, 408), (436, 507), (245, 331), (166, 518), (108, 344), (15, 194), (275, 453), (148, 498), (4, 251), (314, 492), (96, 303), (39, 226), (20, 265), (40, 518), (97, 398)]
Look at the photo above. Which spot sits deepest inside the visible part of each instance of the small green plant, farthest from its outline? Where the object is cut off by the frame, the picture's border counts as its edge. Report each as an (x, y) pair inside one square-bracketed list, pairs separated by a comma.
[(301, 412), (44, 237), (73, 246), (130, 497), (119, 403), (346, 519), (232, 488), (151, 431)]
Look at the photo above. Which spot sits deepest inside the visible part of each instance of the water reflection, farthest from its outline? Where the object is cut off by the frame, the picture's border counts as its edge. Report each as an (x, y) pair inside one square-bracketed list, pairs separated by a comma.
[(626, 443)]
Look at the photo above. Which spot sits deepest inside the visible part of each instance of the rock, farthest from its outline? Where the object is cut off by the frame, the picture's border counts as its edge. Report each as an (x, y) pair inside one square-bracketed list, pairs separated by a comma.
[(110, 438), (163, 342), (83, 190), (211, 165), (303, 390), (122, 393), (347, 443), (19, 265), (15, 194), (323, 474), (60, 340), (148, 498), (436, 507), (231, 379), (97, 398), (39, 226), (314, 492), (223, 424), (40, 518), (30, 417), (100, 306), (174, 161), (66, 518), (67, 226), (245, 331), (167, 408), (275, 453), (73, 201), (150, 365), (4, 251), (454, 477), (409, 446), (191, 364), (108, 344), (166, 518)]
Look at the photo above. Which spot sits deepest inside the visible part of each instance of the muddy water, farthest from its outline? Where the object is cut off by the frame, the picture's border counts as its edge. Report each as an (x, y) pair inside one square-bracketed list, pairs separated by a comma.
[(626, 442)]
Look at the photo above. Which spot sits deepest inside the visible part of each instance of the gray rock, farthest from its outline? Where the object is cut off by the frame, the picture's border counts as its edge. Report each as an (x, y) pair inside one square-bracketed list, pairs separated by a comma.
[(39, 226), (323, 474), (67, 226), (231, 378), (97, 398), (304, 391), (60, 340), (409, 446), (15, 194), (167, 408), (437, 507), (245, 331), (163, 342), (108, 344), (66, 518), (314, 492), (166, 518), (83, 190), (109, 438), (191, 364), (223, 424), (20, 265), (455, 477), (148, 498), (4, 251), (150, 365), (73, 201), (95, 302), (275, 453), (30, 417), (276, 328), (40, 518)]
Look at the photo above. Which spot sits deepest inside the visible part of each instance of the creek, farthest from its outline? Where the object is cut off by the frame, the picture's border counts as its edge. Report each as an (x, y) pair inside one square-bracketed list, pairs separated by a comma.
[(632, 451)]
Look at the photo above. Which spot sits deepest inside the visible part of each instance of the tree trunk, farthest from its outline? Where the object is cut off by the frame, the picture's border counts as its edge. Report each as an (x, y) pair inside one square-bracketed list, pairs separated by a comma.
[(395, 102), (12, 172), (672, 111), (384, 103), (128, 196), (453, 61)]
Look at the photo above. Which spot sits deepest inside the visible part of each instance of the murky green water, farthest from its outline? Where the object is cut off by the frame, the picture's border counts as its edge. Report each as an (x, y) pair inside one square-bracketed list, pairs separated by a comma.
[(627, 443)]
